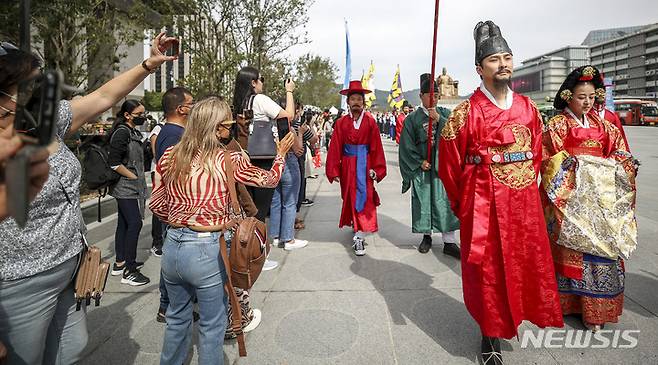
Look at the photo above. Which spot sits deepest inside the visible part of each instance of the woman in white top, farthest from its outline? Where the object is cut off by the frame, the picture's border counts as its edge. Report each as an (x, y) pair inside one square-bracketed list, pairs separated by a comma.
[(248, 82)]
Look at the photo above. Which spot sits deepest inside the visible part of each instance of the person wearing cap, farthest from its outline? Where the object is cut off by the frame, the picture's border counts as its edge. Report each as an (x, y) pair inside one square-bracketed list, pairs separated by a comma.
[(356, 160), (399, 123), (588, 181), (430, 208), (491, 152)]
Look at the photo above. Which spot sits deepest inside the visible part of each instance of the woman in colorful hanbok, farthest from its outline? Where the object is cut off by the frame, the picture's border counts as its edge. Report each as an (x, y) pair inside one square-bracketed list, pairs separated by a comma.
[(588, 181)]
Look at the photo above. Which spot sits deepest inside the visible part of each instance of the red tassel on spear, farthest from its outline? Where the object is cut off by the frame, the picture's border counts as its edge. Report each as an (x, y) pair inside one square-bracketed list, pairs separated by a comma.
[(429, 129)]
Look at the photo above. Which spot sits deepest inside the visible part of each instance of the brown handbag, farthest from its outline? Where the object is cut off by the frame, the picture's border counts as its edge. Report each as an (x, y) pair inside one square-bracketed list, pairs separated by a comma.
[(249, 246), (249, 249), (91, 276)]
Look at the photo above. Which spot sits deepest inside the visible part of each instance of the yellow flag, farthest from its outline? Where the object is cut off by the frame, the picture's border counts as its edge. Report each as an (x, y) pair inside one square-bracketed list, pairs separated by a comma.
[(395, 96), (368, 82)]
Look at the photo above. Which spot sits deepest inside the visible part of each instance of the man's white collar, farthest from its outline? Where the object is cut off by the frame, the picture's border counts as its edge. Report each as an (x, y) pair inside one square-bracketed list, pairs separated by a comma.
[(357, 122), (508, 98)]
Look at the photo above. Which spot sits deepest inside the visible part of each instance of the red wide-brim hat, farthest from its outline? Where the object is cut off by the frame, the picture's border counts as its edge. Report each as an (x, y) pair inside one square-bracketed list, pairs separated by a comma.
[(355, 87)]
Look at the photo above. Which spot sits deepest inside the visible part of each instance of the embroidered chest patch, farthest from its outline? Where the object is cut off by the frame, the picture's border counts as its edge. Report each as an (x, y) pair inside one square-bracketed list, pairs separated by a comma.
[(515, 175)]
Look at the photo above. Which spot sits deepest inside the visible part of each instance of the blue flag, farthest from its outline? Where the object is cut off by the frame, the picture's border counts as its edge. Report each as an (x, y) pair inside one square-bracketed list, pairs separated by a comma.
[(348, 67)]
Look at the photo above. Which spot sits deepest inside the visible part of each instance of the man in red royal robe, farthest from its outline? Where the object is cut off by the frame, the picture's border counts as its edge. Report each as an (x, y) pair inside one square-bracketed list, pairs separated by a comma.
[(356, 160), (491, 150), (399, 123)]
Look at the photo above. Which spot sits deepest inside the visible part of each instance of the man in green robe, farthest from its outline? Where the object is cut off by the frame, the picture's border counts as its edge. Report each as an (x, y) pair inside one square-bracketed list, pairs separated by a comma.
[(430, 208)]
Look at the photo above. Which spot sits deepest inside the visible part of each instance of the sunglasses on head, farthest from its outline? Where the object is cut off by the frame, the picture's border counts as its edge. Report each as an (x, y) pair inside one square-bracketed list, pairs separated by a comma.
[(5, 46)]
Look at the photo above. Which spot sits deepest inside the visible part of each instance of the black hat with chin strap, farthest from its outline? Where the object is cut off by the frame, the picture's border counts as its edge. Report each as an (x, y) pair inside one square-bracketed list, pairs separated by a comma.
[(425, 84), (488, 41)]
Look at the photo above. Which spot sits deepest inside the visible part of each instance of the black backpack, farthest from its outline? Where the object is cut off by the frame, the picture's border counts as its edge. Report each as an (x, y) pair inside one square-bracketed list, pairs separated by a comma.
[(97, 171), (148, 154)]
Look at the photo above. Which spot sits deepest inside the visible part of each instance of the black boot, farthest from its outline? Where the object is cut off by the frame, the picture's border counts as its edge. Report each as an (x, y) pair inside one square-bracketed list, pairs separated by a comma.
[(425, 244), (491, 354), (451, 249)]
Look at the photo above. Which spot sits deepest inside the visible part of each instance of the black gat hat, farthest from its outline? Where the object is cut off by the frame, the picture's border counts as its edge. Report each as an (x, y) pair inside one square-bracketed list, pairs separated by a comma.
[(488, 41), (425, 84)]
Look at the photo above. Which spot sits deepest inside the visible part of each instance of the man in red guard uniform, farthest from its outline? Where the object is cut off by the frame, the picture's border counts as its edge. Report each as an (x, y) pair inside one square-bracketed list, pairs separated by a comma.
[(356, 160), (399, 123), (491, 150)]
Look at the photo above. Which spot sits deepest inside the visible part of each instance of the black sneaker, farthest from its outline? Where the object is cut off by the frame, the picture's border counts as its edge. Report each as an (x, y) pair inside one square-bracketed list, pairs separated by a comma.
[(307, 202), (118, 270), (134, 278), (491, 354), (425, 244), (451, 249), (358, 245), (161, 316), (156, 251)]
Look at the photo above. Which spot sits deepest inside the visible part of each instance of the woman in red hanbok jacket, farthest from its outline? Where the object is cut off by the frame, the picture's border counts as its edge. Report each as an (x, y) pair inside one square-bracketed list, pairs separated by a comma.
[(588, 180), (356, 160)]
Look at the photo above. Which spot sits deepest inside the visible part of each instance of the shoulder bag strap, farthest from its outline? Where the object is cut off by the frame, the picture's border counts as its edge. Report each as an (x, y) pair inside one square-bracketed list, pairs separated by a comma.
[(236, 320), (230, 181)]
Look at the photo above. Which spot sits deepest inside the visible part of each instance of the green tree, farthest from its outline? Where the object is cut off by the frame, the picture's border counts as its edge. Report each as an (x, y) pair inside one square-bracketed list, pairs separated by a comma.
[(224, 35), (80, 37), (316, 83), (153, 100)]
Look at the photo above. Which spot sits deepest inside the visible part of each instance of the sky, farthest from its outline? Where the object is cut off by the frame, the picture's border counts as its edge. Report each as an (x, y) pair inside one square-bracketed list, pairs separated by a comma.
[(389, 32)]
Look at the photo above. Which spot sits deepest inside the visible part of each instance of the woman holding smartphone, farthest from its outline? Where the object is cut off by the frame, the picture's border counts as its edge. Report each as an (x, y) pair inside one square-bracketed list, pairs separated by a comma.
[(248, 82)]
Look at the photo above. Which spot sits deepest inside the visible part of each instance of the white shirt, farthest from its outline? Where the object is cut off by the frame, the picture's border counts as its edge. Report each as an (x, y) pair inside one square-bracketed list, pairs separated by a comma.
[(154, 132), (508, 98), (357, 122), (265, 108)]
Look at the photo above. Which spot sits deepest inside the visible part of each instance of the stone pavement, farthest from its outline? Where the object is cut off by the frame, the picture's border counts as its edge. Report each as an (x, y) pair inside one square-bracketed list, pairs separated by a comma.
[(323, 305)]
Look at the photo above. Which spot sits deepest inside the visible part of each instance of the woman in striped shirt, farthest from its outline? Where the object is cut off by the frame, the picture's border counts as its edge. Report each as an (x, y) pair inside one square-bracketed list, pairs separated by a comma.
[(191, 194)]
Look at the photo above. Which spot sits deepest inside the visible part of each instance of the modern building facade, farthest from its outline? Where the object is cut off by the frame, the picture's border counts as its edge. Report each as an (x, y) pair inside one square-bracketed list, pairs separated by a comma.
[(628, 56), (631, 60), (169, 75), (540, 77)]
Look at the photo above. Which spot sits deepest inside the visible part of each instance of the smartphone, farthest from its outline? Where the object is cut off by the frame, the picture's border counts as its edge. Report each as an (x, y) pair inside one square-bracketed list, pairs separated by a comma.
[(283, 127), (37, 108)]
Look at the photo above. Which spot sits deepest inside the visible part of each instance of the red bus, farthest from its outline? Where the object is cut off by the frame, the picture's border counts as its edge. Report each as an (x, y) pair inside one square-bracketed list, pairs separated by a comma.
[(636, 112)]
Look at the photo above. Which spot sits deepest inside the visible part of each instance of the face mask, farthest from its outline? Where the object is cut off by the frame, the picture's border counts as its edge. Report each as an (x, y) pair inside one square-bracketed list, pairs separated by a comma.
[(139, 120)]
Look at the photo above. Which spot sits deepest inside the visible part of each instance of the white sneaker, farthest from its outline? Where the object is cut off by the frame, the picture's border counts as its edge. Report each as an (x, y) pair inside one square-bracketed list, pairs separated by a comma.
[(294, 244), (270, 265), (255, 321), (275, 242), (359, 248)]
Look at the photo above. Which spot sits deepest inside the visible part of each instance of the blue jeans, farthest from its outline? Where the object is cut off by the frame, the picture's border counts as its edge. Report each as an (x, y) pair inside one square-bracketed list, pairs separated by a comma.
[(164, 298), (284, 201), (191, 266), (38, 320)]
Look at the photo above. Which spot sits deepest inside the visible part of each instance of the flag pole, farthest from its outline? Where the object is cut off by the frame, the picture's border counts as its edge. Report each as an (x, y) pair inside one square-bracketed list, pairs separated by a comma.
[(429, 128)]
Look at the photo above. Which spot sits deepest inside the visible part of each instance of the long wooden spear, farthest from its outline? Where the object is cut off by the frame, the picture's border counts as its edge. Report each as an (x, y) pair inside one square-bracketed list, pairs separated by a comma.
[(429, 129)]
